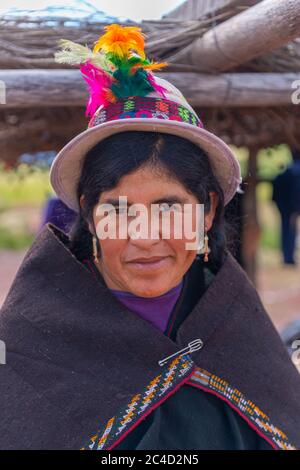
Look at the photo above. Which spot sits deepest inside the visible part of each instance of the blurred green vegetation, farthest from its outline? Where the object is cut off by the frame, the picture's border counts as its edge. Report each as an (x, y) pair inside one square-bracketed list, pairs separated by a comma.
[(270, 161), (12, 240), (29, 186), (23, 186), (268, 216)]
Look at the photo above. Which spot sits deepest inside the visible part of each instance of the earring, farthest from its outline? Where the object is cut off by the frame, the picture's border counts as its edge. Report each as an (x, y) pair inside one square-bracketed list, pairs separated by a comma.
[(205, 250), (95, 250)]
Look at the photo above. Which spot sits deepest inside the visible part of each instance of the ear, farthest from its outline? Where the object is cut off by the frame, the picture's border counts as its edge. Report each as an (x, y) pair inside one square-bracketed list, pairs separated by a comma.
[(209, 218), (81, 200)]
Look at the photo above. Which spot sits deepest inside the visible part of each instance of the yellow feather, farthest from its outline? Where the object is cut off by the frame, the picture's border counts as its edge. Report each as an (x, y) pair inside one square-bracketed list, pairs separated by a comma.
[(120, 40)]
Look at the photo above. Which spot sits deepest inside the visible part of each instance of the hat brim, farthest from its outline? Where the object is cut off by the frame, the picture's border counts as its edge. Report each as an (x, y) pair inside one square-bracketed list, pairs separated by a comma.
[(66, 167)]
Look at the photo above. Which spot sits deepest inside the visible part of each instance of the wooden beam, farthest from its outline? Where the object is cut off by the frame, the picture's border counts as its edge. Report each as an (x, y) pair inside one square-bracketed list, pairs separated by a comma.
[(59, 88), (196, 9), (256, 31)]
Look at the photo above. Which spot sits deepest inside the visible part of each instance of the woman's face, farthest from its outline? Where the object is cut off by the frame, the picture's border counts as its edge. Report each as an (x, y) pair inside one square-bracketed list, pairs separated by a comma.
[(122, 262)]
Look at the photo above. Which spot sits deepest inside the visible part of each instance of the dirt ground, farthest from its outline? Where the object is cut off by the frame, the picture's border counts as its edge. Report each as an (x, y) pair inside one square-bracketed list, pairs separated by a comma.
[(278, 285)]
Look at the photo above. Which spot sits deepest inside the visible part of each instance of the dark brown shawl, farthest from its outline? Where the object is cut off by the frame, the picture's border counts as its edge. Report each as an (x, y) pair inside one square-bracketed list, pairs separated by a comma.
[(76, 357)]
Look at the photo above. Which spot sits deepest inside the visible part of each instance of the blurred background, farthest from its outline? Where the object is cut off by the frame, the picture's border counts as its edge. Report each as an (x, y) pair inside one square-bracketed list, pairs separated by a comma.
[(242, 91)]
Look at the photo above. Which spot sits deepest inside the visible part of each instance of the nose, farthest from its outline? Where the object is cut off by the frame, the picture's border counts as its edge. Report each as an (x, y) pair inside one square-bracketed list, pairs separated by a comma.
[(144, 237), (144, 244), (143, 241)]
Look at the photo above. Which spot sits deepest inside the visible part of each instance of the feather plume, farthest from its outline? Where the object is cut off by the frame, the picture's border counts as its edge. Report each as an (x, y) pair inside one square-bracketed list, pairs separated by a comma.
[(120, 40), (115, 68), (74, 54), (99, 83)]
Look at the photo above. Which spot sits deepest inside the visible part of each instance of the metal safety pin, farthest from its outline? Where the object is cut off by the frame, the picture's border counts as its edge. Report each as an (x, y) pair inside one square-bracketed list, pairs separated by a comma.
[(192, 346)]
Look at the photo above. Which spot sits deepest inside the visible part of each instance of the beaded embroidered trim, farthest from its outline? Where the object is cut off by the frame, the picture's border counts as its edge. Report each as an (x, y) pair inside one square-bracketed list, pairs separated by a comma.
[(160, 388), (248, 409), (142, 404), (144, 107)]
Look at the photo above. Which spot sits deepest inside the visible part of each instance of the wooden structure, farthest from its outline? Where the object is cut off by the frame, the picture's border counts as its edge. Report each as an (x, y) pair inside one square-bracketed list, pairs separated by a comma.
[(236, 61)]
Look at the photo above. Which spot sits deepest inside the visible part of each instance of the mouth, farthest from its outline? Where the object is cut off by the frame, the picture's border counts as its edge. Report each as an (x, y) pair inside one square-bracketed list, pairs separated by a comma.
[(149, 264)]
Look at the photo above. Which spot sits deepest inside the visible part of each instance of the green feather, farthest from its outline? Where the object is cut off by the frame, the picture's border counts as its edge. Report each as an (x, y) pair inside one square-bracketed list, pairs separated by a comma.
[(130, 84), (137, 84)]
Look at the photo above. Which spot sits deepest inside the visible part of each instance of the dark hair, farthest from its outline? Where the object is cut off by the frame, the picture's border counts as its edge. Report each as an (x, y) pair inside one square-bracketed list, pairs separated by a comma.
[(125, 152)]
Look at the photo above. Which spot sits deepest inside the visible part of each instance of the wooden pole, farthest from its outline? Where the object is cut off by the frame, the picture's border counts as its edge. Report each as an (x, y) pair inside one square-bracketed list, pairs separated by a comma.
[(59, 88), (258, 30), (251, 229)]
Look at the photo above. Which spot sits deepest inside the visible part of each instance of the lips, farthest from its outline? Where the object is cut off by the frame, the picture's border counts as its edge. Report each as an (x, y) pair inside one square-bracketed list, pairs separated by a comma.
[(152, 259), (146, 264)]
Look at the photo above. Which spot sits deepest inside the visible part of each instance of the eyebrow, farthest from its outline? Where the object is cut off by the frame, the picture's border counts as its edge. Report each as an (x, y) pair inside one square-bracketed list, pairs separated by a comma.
[(172, 199)]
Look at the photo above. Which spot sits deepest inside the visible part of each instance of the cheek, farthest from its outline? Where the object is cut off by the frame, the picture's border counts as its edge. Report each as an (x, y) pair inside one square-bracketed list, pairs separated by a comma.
[(179, 248), (111, 251)]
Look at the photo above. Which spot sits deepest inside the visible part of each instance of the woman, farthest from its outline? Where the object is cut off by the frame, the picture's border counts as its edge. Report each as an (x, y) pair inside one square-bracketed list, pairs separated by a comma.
[(141, 342)]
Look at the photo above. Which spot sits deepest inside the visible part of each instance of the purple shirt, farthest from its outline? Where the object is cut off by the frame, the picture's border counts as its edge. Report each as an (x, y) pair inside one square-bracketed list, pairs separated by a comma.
[(156, 310)]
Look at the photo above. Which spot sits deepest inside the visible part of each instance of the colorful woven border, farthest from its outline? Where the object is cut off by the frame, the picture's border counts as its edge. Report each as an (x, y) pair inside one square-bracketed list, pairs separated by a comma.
[(144, 107), (142, 404), (259, 420), (183, 370)]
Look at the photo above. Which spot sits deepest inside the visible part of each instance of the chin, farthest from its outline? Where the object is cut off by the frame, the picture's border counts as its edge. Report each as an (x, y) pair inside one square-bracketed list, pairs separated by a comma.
[(151, 290)]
